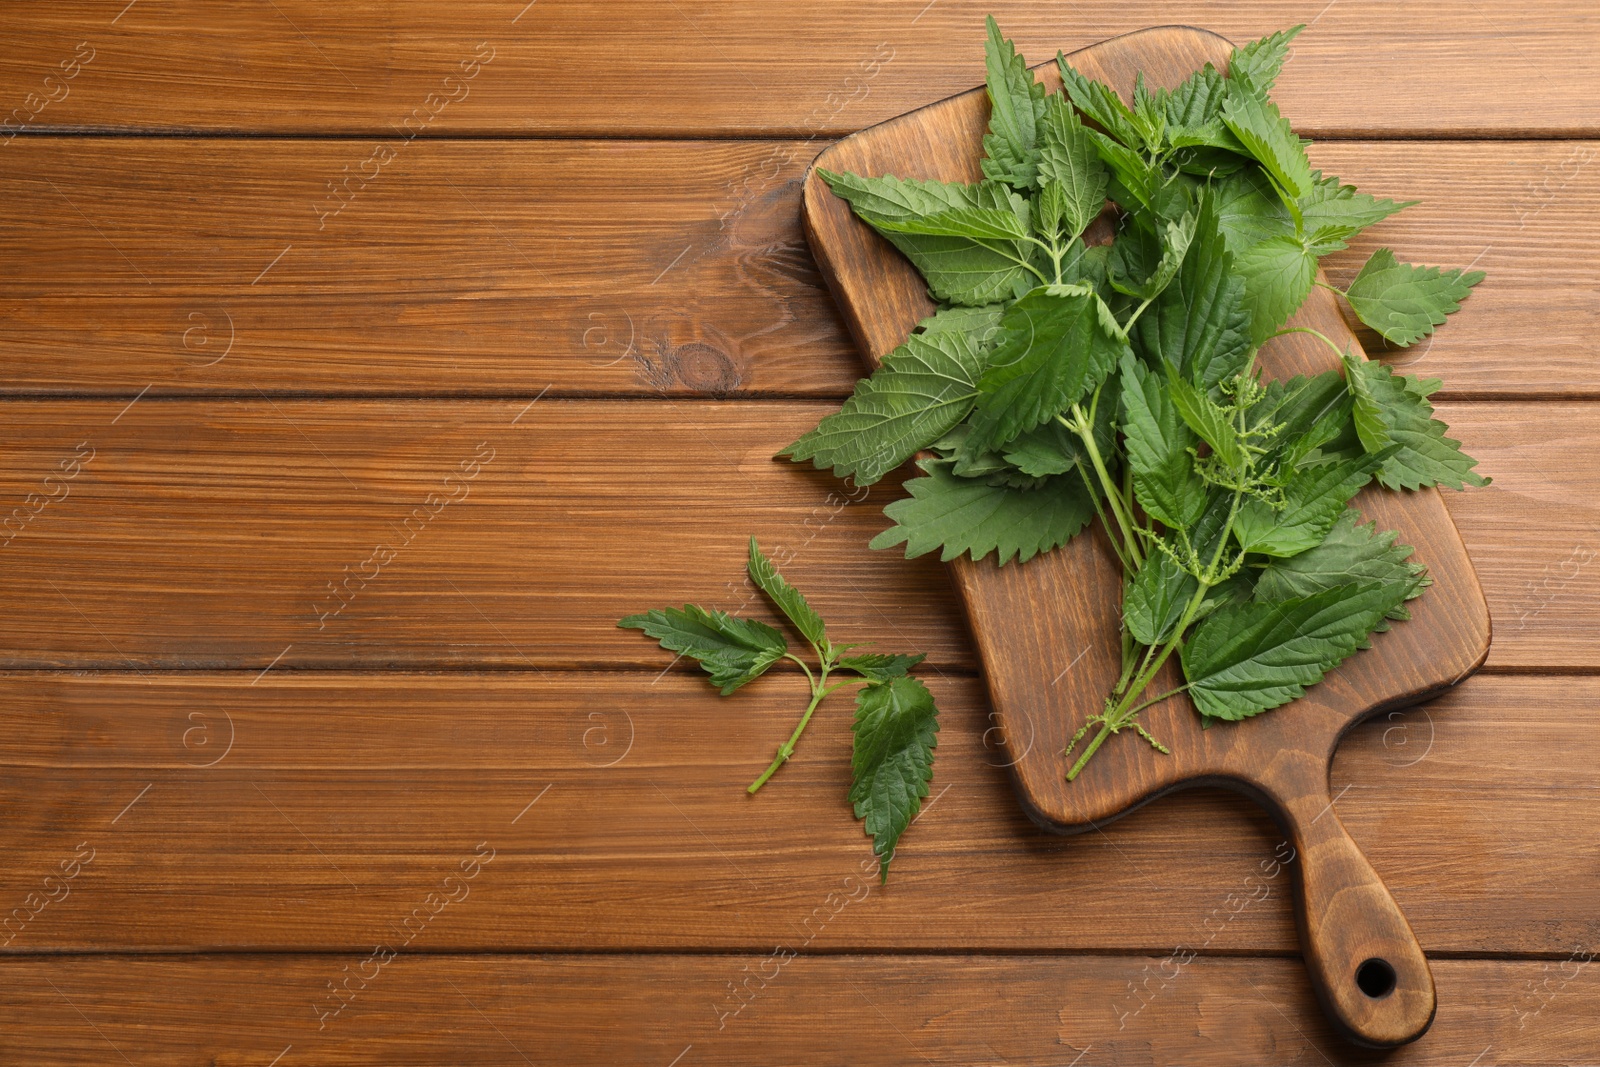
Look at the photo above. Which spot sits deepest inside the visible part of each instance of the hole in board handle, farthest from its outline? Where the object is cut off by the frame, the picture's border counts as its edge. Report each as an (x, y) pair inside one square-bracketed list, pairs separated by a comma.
[(1375, 978)]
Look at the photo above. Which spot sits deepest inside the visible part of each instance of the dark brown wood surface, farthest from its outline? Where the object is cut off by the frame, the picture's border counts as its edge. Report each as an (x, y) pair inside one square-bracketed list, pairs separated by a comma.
[(258, 378), (1047, 674)]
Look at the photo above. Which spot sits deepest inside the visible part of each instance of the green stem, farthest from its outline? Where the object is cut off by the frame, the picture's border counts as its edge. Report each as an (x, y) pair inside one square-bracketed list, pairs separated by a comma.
[(1085, 431), (1094, 498), (1314, 333), (785, 750)]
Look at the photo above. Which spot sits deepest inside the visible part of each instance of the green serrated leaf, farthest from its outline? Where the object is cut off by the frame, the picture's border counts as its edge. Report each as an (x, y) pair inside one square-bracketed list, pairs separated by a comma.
[(969, 516), (1101, 103), (1144, 262), (1160, 448), (787, 598), (1399, 405), (896, 729), (1249, 211), (1267, 136), (966, 270), (1333, 211), (1313, 501), (1249, 658), (1260, 61), (1016, 103), (1277, 273), (923, 389), (1208, 419), (1052, 351), (1404, 302), (1133, 181), (881, 666), (1071, 173), (1154, 601), (1351, 552), (1196, 102), (733, 651), (1199, 325)]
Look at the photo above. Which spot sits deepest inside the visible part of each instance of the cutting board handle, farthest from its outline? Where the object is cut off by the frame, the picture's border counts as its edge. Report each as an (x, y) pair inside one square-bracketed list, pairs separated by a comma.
[(1364, 961)]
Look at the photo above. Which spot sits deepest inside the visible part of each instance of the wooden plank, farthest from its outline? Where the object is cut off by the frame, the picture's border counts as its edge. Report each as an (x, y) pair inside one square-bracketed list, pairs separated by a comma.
[(694, 67), (246, 533), (503, 268), (317, 811), (456, 268), (1037, 1010)]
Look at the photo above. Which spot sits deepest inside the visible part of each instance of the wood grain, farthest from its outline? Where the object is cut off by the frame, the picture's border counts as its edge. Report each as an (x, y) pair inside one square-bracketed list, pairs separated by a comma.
[(500, 267), (1349, 922), (205, 534), (268, 800), (241, 1011), (697, 68)]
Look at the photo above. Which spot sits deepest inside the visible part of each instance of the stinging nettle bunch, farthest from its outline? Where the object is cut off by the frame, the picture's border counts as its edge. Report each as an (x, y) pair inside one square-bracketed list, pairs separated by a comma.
[(1060, 381)]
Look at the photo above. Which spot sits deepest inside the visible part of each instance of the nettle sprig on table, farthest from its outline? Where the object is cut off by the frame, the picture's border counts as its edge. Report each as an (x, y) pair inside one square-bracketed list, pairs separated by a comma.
[(896, 720), (1060, 381)]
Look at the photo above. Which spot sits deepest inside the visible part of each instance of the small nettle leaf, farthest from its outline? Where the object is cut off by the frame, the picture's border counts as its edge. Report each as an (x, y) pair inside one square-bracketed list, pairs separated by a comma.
[(1248, 658), (1199, 325), (1144, 262), (881, 666), (1405, 302), (1132, 179), (959, 268), (1267, 136), (1260, 61), (787, 598), (1155, 599), (896, 728), (1394, 413), (1333, 211), (968, 516), (1278, 274), (1249, 210), (1160, 448), (1016, 103), (1351, 552), (1208, 419), (733, 651), (1072, 176), (1100, 102), (921, 391), (1052, 351), (1196, 102), (1313, 501)]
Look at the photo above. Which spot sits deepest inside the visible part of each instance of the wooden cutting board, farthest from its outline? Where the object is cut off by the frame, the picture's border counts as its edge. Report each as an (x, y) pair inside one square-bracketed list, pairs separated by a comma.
[(1047, 630)]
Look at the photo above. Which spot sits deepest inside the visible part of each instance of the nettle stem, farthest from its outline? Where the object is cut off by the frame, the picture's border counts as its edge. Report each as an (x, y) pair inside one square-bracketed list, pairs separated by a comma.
[(819, 692)]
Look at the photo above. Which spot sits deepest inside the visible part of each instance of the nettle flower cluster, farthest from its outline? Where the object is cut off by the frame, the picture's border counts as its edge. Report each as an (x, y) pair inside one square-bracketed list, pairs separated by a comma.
[(1060, 381)]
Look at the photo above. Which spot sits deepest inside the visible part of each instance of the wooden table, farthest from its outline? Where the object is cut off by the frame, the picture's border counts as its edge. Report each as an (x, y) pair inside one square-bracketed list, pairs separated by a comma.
[(519, 294)]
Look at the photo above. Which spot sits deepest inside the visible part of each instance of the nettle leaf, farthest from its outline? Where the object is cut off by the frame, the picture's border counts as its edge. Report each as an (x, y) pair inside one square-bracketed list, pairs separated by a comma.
[(1101, 103), (1335, 212), (733, 651), (1133, 181), (1071, 175), (1196, 102), (1053, 449), (1313, 501), (1405, 302), (959, 268), (1268, 137), (1208, 419), (895, 734), (968, 515), (1248, 658), (1052, 351), (1260, 61), (1249, 210), (922, 389), (881, 666), (1160, 447), (1143, 262), (1199, 325), (1278, 274), (1393, 411), (787, 598), (1016, 103), (1154, 601), (1313, 412), (1351, 552)]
